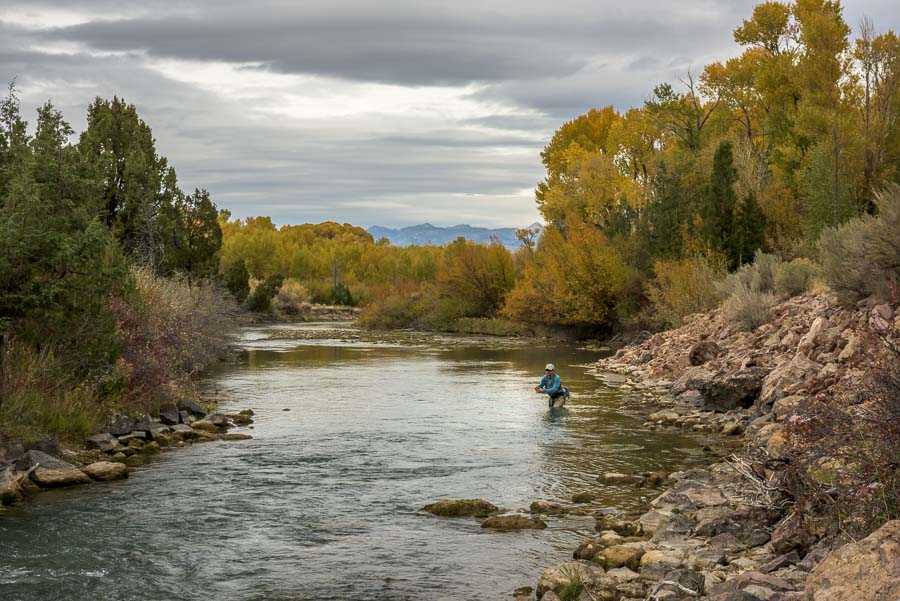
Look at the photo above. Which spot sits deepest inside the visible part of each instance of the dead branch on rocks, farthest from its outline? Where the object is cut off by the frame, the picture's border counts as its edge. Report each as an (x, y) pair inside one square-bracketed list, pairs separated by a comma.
[(765, 491)]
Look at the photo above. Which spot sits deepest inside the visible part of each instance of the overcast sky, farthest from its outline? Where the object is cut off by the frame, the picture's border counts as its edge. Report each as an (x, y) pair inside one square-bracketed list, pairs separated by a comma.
[(382, 112)]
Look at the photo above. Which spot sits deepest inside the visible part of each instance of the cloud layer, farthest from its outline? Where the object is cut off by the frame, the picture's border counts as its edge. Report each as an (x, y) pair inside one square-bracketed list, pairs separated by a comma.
[(389, 112)]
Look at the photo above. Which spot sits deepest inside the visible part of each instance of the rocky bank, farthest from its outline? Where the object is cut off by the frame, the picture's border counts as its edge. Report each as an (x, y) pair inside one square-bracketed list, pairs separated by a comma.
[(27, 468), (728, 532)]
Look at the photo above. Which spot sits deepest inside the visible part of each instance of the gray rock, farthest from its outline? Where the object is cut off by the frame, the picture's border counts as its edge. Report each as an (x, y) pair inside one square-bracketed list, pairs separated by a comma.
[(121, 425), (168, 414), (191, 406), (186, 417), (135, 435), (104, 441), (217, 419), (726, 392)]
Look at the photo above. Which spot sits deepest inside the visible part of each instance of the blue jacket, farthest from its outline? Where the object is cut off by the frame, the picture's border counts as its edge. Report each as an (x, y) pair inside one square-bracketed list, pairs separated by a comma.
[(550, 385)]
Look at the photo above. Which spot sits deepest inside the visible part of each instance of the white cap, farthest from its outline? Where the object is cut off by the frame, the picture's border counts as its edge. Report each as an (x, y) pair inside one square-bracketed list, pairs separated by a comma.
[(549, 367)]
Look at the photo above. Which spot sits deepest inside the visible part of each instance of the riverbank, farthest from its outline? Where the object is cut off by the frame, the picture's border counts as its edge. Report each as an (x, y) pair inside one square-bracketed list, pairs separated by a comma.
[(29, 468), (736, 531)]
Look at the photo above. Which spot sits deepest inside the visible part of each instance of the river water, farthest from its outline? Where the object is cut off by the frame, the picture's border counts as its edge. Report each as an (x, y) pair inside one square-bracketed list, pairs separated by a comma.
[(351, 439)]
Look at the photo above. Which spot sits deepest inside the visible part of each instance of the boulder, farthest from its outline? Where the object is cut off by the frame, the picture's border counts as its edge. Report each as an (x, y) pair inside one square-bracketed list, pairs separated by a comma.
[(51, 472), (732, 429), (808, 342), (739, 529), (792, 535), (233, 436), (186, 417), (106, 471), (586, 550), (706, 558), (168, 414), (617, 478), (681, 584), (217, 419), (206, 425), (658, 562), (183, 432), (619, 556), (583, 497), (881, 318), (135, 435), (104, 441), (726, 392), (547, 507), (461, 508), (191, 406), (703, 352), (555, 578), (868, 569), (618, 525), (786, 379), (513, 522), (754, 578)]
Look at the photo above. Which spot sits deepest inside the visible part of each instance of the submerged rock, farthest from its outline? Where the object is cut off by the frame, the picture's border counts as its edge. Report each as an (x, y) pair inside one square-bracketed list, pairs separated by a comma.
[(547, 507), (513, 522), (106, 471), (583, 497), (461, 508)]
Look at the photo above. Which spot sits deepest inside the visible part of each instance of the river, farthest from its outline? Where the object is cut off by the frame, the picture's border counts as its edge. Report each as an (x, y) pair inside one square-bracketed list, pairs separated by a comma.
[(351, 439)]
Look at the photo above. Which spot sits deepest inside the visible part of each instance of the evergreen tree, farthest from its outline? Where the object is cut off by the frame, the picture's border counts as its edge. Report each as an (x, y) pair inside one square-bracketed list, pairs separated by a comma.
[(719, 204), (750, 223), (236, 280)]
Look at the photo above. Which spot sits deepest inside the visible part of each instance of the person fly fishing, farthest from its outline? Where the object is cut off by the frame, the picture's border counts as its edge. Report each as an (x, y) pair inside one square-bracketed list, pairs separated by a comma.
[(551, 385)]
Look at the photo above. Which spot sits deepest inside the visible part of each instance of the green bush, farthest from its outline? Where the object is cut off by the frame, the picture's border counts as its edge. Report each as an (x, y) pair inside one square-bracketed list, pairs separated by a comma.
[(683, 287), (260, 300), (862, 256), (795, 277)]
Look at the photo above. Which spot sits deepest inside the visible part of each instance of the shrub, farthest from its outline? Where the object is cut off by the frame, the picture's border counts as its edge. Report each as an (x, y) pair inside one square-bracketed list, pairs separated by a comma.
[(795, 277), (844, 468), (683, 287), (170, 331), (291, 297), (861, 256), (236, 280), (393, 312), (759, 276), (748, 307), (260, 299), (40, 396)]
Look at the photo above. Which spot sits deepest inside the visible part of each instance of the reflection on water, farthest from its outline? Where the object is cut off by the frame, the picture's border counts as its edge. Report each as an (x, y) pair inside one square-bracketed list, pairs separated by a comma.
[(323, 502)]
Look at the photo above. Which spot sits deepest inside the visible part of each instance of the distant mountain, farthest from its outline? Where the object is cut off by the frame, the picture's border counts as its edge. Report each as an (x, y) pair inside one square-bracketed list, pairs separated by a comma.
[(437, 236)]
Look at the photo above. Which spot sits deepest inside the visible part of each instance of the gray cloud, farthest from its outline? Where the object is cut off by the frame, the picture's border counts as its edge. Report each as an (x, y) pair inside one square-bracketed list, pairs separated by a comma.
[(266, 104)]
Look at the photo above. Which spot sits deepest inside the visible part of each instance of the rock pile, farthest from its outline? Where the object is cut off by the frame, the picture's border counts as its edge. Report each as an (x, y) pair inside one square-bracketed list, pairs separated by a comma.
[(715, 534), (125, 441)]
